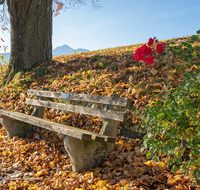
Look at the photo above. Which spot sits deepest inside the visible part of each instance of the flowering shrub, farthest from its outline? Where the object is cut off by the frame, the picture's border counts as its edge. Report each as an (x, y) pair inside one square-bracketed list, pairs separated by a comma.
[(175, 119), (146, 53), (172, 124)]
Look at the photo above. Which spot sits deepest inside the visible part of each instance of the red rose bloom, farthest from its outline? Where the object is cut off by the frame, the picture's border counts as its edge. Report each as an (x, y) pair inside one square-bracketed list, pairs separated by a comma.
[(160, 47), (150, 60), (150, 42), (139, 56), (146, 50)]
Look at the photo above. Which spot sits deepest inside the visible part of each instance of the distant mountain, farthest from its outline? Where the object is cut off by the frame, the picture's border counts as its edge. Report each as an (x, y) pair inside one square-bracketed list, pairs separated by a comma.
[(61, 50), (65, 50)]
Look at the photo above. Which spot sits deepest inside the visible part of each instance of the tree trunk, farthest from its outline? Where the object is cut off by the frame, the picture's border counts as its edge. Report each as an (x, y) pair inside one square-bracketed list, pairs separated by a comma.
[(31, 35)]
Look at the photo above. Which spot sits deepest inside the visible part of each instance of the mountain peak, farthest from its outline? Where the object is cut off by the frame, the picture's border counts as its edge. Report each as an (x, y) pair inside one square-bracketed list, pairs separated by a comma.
[(65, 50)]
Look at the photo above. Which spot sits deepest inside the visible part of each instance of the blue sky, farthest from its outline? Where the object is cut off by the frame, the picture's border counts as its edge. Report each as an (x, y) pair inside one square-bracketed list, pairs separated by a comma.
[(123, 22)]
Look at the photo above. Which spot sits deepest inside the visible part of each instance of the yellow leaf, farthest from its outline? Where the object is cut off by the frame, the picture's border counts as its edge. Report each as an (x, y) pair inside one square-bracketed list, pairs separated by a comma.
[(87, 174), (40, 173), (126, 187), (148, 163), (34, 84), (73, 175), (11, 188), (171, 182), (52, 164), (163, 165), (121, 142), (22, 95), (89, 72), (6, 153), (134, 90), (100, 183), (65, 77)]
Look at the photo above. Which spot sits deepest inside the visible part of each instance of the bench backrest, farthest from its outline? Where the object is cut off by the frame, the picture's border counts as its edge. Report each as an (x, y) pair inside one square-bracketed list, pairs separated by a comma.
[(108, 114)]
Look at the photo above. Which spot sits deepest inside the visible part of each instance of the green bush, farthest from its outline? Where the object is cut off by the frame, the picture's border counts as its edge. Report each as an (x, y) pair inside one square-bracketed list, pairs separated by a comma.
[(173, 126)]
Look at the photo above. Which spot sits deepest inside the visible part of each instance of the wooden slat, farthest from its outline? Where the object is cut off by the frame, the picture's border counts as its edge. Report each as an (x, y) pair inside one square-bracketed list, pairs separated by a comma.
[(79, 109), (115, 101), (60, 128)]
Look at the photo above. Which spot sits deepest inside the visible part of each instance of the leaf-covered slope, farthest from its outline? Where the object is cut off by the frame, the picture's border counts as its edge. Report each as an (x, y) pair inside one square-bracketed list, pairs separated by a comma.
[(40, 159)]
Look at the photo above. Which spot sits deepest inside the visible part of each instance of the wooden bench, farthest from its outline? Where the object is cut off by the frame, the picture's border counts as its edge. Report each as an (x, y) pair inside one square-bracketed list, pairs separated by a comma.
[(86, 149)]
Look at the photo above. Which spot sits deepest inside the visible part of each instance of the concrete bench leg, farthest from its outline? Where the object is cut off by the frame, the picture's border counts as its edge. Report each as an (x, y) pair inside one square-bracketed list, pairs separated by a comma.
[(16, 128), (86, 154)]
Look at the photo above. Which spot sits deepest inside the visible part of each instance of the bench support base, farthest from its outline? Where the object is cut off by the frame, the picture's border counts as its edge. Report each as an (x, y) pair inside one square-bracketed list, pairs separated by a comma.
[(86, 154), (16, 128)]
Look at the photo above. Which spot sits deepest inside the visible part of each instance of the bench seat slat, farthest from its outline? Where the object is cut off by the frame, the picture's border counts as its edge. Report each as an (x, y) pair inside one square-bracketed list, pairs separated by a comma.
[(79, 109), (115, 101), (60, 128)]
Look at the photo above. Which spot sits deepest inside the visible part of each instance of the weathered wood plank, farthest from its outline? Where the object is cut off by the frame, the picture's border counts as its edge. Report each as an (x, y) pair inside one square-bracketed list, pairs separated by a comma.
[(60, 128), (115, 101), (79, 109)]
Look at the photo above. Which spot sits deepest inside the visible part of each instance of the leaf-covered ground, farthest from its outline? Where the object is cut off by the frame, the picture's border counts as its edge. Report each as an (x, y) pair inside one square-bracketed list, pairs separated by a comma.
[(40, 160)]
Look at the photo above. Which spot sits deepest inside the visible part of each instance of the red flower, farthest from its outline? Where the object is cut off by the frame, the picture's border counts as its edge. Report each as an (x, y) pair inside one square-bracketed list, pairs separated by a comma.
[(150, 60), (146, 50), (150, 42), (139, 56), (160, 47)]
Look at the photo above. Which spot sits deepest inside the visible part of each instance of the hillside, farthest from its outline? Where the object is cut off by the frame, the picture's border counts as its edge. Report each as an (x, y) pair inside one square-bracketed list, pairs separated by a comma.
[(101, 72)]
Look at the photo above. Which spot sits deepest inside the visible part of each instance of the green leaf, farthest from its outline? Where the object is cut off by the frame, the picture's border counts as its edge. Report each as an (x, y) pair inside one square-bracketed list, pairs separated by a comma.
[(149, 155), (166, 149), (156, 159), (170, 162), (194, 54), (161, 116), (194, 37), (174, 168), (184, 56), (179, 53)]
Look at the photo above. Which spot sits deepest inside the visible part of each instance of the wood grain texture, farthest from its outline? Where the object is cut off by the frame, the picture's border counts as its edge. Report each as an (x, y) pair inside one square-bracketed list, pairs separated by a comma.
[(118, 116), (60, 128), (113, 100)]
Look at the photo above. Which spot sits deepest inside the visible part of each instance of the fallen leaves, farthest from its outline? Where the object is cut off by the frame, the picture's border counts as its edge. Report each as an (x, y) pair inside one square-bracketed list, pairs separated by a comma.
[(41, 158)]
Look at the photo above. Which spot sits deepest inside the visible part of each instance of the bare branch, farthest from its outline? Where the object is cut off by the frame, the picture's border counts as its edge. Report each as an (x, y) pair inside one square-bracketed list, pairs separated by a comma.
[(72, 4), (2, 2)]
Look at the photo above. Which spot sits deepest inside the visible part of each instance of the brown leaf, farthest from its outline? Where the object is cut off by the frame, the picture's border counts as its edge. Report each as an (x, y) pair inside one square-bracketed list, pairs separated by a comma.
[(161, 186), (139, 171), (107, 163)]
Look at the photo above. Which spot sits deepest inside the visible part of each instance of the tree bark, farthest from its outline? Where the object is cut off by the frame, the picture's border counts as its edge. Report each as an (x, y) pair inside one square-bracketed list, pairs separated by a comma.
[(31, 35)]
